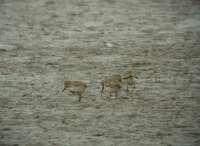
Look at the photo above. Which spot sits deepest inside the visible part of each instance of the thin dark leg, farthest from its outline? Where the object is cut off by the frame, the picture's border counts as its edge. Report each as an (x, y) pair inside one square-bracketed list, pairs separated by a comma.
[(134, 85), (63, 90), (80, 97), (102, 90), (127, 90), (109, 97)]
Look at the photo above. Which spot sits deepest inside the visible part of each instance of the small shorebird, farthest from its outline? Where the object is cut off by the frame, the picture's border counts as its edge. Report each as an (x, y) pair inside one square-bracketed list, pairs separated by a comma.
[(75, 87)]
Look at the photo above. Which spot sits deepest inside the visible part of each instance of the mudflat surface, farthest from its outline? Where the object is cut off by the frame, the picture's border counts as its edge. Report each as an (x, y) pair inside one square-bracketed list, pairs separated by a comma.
[(44, 42)]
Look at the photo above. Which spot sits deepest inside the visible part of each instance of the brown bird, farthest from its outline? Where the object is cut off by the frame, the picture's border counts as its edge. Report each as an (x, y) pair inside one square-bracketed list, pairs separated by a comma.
[(129, 79), (113, 85), (75, 87)]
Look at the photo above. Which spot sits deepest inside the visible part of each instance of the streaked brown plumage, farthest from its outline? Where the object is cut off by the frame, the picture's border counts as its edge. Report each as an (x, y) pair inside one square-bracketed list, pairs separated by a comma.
[(113, 84), (75, 87)]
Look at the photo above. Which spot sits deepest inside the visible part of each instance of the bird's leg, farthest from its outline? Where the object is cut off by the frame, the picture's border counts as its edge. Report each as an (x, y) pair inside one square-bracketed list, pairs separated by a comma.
[(80, 97)]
